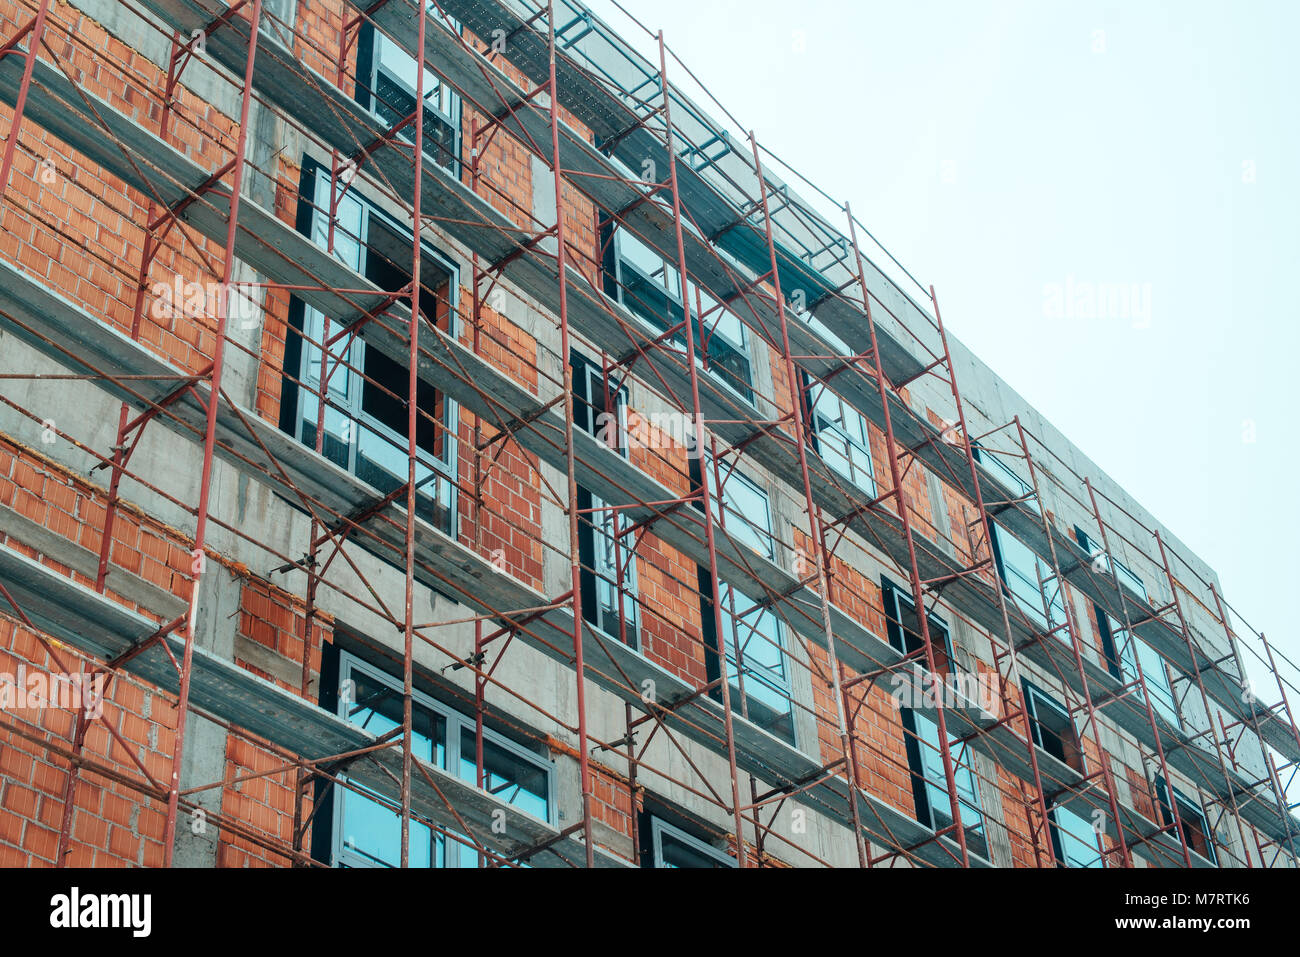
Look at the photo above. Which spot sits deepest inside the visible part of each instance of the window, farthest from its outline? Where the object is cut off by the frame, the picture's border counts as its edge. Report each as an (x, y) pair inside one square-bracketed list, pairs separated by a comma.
[(367, 833), (386, 84), (672, 847), (1075, 842), (930, 783), (753, 636), (1021, 491), (603, 548), (1122, 650), (1026, 578), (841, 438), (905, 628), (365, 411), (651, 288), (1196, 828), (840, 433), (1053, 728)]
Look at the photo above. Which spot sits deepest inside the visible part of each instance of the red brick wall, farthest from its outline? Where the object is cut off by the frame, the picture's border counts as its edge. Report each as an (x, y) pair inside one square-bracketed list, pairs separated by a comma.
[(111, 825), (80, 231)]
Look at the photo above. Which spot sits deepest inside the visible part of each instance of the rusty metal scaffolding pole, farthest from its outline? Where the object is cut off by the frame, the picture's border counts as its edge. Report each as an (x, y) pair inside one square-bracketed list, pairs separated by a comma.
[(999, 589), (1205, 703), (706, 498), (802, 436), (914, 573), (1283, 802), (575, 554), (1248, 698), (36, 29), (210, 437), (412, 449), (1141, 683), (1076, 648), (121, 455)]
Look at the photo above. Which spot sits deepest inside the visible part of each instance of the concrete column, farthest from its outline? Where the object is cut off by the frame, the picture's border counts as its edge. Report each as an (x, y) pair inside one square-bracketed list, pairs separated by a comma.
[(204, 758)]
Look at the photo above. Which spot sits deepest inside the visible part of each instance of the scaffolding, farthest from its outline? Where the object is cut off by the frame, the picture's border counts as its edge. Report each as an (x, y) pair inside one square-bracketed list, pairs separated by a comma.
[(617, 138)]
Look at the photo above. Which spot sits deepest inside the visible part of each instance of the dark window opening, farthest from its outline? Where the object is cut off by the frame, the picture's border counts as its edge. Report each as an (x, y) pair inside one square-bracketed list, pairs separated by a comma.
[(1195, 827), (665, 845), (609, 568), (904, 628), (1053, 728)]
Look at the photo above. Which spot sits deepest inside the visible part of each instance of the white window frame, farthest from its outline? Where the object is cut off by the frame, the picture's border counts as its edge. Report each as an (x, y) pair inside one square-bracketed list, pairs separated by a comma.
[(751, 535), (1154, 670), (1048, 614), (1174, 796), (454, 724), (668, 277), (605, 521), (443, 101), (832, 419), (345, 404)]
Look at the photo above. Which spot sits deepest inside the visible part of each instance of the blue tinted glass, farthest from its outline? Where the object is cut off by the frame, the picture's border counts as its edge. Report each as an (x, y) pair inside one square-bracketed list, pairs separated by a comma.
[(512, 778), (1078, 840), (1023, 571), (936, 780), (369, 830)]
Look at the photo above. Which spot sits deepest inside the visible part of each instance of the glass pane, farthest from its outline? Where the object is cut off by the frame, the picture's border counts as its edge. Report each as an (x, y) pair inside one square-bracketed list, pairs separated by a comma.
[(648, 262), (1023, 571), (842, 441), (1000, 470), (370, 833), (610, 554), (394, 100), (936, 780), (1077, 838), (513, 778), (757, 635), (1153, 672), (744, 509)]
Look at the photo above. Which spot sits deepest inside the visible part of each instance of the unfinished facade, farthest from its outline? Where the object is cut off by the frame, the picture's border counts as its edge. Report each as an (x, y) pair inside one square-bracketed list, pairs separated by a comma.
[(682, 534)]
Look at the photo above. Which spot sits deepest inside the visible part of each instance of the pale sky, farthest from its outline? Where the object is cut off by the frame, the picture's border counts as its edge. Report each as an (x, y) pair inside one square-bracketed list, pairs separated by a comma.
[(998, 148)]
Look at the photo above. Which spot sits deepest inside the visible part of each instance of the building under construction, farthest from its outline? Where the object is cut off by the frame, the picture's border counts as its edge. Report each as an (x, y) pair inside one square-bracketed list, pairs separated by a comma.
[(683, 534)]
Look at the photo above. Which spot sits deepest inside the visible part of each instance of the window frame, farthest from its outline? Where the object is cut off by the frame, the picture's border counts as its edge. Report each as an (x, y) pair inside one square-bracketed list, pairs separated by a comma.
[(613, 237), (454, 723), (746, 623), (372, 63), (303, 351), (594, 610), (1058, 830), (822, 423), (1045, 612), (659, 829), (891, 595), (1034, 696), (1155, 670), (1197, 816), (933, 813)]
